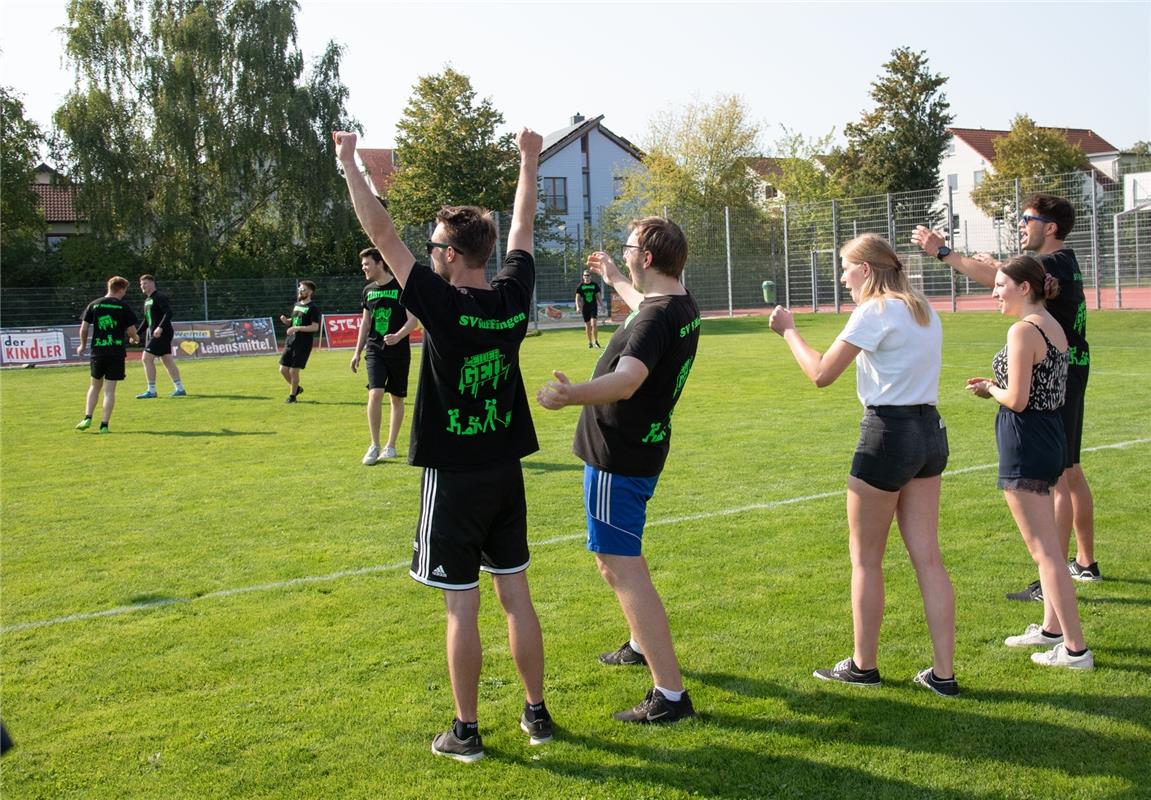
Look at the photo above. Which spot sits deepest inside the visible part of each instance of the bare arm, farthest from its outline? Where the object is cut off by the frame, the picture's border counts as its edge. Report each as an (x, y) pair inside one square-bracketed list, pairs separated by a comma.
[(620, 384), (361, 338), (601, 263), (83, 338), (373, 217), (405, 329), (822, 369), (1021, 346), (520, 235), (980, 270)]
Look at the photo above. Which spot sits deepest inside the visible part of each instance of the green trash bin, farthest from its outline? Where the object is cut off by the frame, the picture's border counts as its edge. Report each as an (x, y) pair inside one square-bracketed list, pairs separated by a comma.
[(769, 292)]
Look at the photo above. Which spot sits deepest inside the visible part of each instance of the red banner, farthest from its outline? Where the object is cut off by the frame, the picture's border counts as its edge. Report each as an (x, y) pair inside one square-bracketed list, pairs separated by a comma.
[(342, 330)]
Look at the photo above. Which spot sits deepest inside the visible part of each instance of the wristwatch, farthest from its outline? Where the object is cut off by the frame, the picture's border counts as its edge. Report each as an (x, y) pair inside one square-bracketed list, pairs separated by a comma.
[(944, 252)]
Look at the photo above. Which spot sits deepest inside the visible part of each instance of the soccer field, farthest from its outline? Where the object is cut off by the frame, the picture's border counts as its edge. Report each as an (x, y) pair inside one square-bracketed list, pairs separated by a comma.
[(213, 601)]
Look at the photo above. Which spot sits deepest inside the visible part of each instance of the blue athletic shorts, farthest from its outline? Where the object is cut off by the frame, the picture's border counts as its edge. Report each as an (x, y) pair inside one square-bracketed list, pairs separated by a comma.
[(616, 507)]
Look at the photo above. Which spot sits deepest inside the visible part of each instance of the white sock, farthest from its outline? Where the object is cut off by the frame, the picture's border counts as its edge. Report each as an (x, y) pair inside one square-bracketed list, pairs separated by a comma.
[(179, 385), (635, 646), (674, 697), (152, 388)]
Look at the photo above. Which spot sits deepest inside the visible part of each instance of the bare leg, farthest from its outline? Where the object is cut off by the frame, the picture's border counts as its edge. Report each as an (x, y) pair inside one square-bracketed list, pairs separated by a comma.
[(524, 636), (869, 515), (629, 578), (109, 400), (588, 333), (395, 419), (918, 515), (149, 362), (292, 376), (375, 398), (1035, 515), (594, 329), (1083, 515), (93, 395), (465, 654), (170, 365)]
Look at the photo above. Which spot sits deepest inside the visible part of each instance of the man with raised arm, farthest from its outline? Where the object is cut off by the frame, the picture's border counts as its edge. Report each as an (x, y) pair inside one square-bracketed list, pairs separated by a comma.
[(470, 428), (623, 437), (1044, 225)]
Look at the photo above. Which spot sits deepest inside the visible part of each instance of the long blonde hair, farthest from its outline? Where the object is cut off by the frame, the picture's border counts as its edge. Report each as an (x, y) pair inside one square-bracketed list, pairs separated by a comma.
[(887, 278)]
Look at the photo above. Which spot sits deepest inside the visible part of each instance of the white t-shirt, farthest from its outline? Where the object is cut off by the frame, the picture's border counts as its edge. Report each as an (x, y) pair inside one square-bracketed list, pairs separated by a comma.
[(901, 359)]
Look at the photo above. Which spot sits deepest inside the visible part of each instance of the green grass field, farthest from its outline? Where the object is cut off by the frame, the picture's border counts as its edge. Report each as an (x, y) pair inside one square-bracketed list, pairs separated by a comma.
[(212, 601)]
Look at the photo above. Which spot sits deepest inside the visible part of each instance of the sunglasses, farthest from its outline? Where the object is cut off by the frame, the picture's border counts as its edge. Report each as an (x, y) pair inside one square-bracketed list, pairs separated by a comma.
[(430, 245), (1026, 219)]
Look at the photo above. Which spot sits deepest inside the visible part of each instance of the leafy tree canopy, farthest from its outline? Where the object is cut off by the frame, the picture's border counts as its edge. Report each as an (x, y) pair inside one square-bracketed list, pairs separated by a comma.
[(1029, 153), (22, 230)]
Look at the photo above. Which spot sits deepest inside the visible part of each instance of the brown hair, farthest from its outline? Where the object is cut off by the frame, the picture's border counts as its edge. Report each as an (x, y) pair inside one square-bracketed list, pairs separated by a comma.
[(117, 284), (1029, 270), (374, 254), (471, 232), (147, 277), (664, 240), (1050, 205), (311, 286), (887, 278)]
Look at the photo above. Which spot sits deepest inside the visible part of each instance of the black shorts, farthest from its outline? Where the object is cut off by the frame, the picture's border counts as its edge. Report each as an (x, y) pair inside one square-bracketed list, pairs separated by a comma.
[(108, 367), (1072, 413), (159, 346), (389, 374), (1032, 449), (590, 311), (470, 521), (899, 443), (295, 357)]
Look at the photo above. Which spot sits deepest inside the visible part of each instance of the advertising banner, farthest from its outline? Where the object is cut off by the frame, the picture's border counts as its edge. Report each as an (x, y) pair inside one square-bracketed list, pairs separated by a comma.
[(342, 330), (210, 339)]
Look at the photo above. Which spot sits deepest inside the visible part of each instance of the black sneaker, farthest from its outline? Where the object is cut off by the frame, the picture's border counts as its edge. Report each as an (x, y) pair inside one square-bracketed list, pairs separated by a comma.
[(1085, 574), (944, 688), (656, 708), (846, 672), (466, 750), (589, 345), (291, 399), (624, 656), (537, 725), (1033, 592)]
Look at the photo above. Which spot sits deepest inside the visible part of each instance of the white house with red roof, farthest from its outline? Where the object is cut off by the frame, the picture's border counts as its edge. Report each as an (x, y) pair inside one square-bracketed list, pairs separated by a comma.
[(56, 197), (968, 161)]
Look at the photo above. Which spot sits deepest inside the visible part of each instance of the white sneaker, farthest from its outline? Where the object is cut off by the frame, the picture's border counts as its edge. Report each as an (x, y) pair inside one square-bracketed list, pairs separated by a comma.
[(372, 456), (1058, 656), (389, 452), (1032, 637)]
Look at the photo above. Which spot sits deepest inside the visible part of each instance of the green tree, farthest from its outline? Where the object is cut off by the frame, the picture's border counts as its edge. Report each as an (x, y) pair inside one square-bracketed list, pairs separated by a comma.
[(804, 175), (22, 231), (189, 122), (448, 152), (1034, 155), (898, 145)]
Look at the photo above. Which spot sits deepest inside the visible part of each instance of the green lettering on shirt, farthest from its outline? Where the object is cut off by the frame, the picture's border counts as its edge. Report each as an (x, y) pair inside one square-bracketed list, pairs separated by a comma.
[(468, 321), (484, 369)]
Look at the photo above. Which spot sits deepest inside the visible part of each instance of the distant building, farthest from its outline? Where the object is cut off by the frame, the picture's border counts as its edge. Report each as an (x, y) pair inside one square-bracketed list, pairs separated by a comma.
[(380, 165), (57, 199), (581, 169)]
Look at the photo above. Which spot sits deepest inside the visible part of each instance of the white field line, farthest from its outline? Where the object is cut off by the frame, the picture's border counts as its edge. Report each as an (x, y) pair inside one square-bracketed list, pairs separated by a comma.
[(352, 573)]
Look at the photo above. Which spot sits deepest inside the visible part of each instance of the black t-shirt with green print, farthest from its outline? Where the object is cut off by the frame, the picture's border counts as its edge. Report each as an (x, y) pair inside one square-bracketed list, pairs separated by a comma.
[(471, 409), (1070, 307), (588, 292), (303, 313), (158, 314), (633, 436), (385, 315), (108, 319)]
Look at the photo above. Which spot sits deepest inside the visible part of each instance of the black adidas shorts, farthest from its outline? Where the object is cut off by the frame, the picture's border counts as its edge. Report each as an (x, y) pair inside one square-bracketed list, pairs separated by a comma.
[(470, 521), (389, 374), (159, 346), (107, 367), (296, 357)]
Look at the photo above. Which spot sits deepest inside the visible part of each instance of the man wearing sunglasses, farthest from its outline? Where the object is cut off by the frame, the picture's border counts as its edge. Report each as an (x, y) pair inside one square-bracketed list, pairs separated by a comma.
[(470, 428), (1044, 225)]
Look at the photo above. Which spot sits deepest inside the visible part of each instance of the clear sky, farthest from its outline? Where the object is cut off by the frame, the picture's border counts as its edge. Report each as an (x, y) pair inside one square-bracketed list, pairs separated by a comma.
[(806, 66)]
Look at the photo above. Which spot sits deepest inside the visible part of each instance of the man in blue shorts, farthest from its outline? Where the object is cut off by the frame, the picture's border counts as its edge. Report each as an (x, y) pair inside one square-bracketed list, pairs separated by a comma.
[(623, 437), (471, 426), (111, 322)]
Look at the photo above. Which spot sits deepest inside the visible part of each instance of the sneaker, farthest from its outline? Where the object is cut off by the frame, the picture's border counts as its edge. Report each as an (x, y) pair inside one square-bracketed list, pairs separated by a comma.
[(372, 456), (1085, 574), (146, 396), (104, 429), (943, 688), (466, 750), (590, 345), (179, 393), (624, 656), (1058, 656), (299, 390), (1033, 592), (656, 708), (388, 452), (84, 424), (1032, 637), (597, 346), (291, 399), (846, 672), (538, 727)]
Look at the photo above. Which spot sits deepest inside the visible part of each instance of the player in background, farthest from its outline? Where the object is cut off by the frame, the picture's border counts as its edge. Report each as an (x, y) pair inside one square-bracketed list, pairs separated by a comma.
[(302, 328), (111, 322), (158, 330), (586, 298)]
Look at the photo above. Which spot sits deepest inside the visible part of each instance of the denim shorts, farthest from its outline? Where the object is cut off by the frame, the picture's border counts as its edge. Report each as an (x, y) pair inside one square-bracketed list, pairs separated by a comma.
[(899, 443)]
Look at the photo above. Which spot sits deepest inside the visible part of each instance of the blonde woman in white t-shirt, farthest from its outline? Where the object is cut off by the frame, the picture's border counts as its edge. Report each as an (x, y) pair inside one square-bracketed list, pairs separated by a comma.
[(895, 339)]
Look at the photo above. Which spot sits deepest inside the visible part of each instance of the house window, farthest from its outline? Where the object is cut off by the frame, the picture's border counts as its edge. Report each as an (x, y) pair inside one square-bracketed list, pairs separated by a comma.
[(951, 146), (954, 223), (977, 176), (555, 191), (53, 241), (617, 183), (953, 181)]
